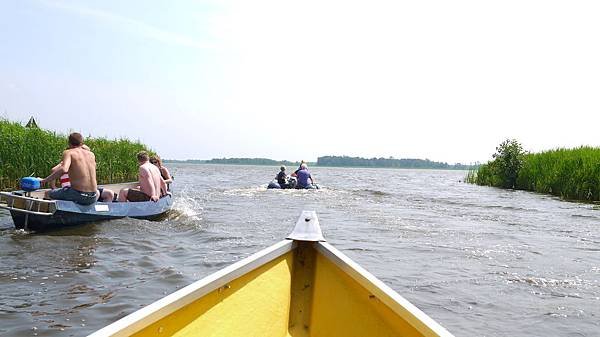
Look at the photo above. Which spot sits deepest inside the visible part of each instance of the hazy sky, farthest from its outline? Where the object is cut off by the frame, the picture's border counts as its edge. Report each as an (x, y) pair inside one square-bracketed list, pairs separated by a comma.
[(443, 80)]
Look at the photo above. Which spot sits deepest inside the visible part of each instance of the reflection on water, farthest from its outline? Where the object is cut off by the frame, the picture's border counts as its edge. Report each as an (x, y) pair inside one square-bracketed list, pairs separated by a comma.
[(481, 261)]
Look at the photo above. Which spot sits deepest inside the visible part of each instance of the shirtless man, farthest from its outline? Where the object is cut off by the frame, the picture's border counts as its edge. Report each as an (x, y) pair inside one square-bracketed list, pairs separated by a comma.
[(151, 185), (81, 166), (104, 194)]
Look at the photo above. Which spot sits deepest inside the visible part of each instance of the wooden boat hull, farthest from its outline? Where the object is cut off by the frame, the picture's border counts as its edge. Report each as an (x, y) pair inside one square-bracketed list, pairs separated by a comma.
[(35, 214), (293, 288)]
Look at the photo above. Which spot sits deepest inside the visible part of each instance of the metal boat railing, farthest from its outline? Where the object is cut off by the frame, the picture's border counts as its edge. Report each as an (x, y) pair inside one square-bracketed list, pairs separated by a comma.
[(26, 204)]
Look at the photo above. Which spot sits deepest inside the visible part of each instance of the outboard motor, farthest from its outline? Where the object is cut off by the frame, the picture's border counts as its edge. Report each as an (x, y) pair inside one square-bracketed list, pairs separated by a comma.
[(30, 184), (292, 182)]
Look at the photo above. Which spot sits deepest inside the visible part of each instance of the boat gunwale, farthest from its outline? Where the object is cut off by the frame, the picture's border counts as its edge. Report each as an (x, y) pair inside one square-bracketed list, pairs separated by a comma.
[(169, 304), (401, 306)]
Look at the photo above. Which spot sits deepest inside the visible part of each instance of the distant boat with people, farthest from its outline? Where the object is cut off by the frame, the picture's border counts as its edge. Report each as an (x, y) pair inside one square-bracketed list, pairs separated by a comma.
[(300, 179), (292, 183), (30, 211)]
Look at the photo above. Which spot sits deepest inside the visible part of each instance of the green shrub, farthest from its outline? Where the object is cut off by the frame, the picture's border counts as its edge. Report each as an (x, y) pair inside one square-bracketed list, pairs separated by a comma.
[(503, 171)]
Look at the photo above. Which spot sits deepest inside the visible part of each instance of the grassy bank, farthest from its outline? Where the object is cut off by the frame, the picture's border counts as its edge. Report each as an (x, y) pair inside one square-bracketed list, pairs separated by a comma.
[(572, 174), (33, 152)]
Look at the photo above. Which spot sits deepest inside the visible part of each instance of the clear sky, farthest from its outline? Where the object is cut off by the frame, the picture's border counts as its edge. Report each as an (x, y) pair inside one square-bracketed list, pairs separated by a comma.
[(443, 80)]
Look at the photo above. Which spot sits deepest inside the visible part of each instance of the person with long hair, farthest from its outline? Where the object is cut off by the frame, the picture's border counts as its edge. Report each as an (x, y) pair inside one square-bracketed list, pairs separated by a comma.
[(164, 172)]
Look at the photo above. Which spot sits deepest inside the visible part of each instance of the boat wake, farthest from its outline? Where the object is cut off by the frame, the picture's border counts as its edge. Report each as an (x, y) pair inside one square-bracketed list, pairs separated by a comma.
[(246, 192), (185, 209)]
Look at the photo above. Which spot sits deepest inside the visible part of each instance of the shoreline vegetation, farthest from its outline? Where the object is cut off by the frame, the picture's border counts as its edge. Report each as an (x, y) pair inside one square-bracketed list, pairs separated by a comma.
[(336, 161), (31, 151), (572, 174)]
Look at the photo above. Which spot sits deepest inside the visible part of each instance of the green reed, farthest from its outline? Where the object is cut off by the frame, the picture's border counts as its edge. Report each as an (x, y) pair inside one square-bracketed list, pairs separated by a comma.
[(33, 152), (471, 176), (568, 173), (572, 174)]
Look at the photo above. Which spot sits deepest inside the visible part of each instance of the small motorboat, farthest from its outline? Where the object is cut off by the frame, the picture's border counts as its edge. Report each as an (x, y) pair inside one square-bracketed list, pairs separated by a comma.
[(292, 183), (31, 212), (301, 286)]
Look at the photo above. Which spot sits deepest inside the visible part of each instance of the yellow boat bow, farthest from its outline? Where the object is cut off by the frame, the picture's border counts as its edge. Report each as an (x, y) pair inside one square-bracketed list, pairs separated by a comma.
[(299, 287)]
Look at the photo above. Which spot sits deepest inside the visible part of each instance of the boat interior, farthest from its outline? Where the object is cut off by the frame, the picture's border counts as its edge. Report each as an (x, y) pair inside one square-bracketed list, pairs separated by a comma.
[(301, 293)]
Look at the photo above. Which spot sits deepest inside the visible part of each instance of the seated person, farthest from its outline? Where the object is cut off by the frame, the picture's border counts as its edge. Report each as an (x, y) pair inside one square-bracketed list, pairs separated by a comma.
[(151, 185), (282, 178), (302, 164), (303, 177), (105, 195), (81, 166), (164, 172), (295, 174), (64, 179)]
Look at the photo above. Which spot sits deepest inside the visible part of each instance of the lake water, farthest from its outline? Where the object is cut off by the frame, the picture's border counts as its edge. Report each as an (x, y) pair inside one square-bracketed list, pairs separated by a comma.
[(481, 261)]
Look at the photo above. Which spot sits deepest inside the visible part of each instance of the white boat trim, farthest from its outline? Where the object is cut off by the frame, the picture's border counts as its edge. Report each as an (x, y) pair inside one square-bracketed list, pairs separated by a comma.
[(136, 321), (387, 295)]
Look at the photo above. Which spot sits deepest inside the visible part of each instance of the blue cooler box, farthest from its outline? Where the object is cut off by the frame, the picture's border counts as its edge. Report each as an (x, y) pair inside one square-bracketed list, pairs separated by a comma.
[(29, 184)]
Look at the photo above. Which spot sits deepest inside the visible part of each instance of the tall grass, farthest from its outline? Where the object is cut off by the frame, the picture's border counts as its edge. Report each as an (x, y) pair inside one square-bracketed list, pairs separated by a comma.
[(471, 176), (569, 173), (572, 174), (33, 152)]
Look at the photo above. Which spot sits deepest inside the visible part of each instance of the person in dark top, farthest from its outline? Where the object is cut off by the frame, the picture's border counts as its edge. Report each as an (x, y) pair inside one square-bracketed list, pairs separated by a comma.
[(164, 172), (282, 178)]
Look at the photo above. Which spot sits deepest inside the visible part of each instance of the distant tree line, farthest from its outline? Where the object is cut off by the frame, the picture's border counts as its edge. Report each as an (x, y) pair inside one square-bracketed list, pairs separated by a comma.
[(345, 161), (336, 161), (237, 161)]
